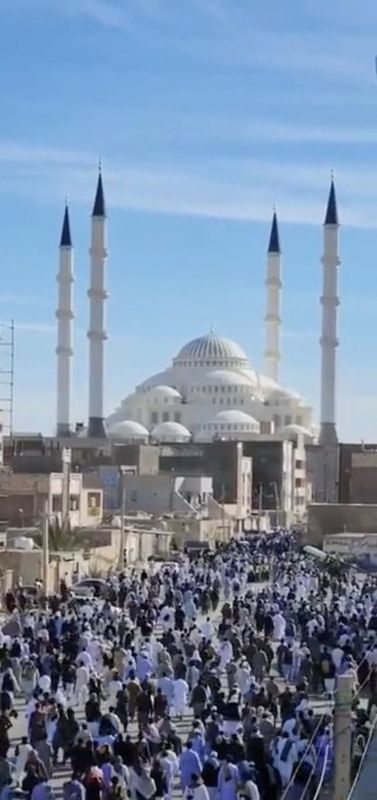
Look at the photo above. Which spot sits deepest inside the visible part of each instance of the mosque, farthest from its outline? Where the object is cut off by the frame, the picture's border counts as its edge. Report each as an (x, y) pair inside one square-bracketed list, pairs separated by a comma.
[(211, 391)]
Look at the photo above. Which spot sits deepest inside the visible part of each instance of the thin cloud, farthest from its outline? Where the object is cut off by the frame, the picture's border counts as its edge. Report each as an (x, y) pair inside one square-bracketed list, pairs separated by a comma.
[(105, 13), (17, 298), (298, 336), (234, 188), (35, 327)]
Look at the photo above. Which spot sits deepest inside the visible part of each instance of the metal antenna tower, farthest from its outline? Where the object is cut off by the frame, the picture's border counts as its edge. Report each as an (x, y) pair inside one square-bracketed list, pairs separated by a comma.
[(7, 375)]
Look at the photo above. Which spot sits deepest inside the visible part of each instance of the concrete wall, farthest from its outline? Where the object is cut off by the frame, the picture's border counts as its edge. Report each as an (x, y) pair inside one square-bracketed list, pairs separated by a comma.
[(155, 494), (323, 471), (326, 518), (64, 564), (201, 530)]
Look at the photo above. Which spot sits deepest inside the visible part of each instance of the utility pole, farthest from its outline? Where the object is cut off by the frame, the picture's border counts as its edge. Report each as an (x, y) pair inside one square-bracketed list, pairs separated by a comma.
[(122, 523), (123, 542), (342, 736), (66, 464), (45, 548)]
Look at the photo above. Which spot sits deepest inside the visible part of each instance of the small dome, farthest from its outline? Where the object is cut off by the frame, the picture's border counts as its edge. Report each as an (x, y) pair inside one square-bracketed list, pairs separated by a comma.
[(165, 394), (281, 394), (209, 348), (226, 377), (130, 431), (298, 430), (230, 424), (171, 432), (235, 417)]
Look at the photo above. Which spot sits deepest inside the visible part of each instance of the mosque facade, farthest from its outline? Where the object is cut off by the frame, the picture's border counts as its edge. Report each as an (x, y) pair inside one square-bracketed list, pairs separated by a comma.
[(209, 392)]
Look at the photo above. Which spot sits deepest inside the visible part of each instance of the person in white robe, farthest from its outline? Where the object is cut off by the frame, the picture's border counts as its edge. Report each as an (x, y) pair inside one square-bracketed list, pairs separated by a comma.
[(279, 626), (180, 695), (82, 682), (225, 653)]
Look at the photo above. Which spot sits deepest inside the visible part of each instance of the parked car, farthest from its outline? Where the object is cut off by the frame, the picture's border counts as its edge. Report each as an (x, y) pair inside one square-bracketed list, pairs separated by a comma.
[(90, 586)]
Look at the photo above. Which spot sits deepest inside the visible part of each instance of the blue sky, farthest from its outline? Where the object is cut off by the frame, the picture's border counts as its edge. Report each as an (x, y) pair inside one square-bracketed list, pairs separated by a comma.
[(205, 113)]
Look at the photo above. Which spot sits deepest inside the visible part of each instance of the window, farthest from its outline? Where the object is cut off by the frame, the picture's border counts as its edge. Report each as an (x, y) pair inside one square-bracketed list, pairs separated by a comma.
[(223, 388), (229, 400), (229, 388), (299, 483), (56, 502), (165, 416), (241, 401), (134, 496), (93, 502), (276, 420), (299, 464), (154, 418), (287, 419), (299, 420), (177, 416)]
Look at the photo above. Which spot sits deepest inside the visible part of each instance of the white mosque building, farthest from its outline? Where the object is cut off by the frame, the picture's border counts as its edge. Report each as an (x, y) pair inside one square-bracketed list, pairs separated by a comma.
[(211, 391)]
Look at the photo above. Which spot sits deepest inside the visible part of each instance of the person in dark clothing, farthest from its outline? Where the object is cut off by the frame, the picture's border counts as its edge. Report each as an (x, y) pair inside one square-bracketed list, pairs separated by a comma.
[(159, 777), (210, 772), (30, 780)]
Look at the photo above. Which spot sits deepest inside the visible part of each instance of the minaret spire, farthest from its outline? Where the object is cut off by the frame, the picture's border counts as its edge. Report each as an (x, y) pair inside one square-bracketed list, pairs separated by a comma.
[(64, 315), (274, 244), (331, 217), (329, 302), (273, 291), (66, 239), (99, 208), (97, 298)]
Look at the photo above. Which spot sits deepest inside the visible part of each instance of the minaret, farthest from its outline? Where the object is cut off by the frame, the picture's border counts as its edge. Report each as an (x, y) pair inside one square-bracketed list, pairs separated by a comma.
[(64, 316), (272, 317), (97, 297), (329, 302)]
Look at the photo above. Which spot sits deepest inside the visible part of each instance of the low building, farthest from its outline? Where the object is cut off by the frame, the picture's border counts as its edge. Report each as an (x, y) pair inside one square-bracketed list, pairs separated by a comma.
[(358, 548), (23, 498), (331, 518)]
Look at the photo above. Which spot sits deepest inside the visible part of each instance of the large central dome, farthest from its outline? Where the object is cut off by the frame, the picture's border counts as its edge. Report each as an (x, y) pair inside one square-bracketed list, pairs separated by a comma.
[(211, 348)]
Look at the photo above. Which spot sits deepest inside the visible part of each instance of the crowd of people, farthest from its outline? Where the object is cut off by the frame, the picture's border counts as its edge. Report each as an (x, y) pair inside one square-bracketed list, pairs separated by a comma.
[(200, 679)]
